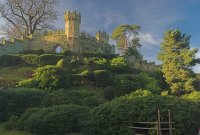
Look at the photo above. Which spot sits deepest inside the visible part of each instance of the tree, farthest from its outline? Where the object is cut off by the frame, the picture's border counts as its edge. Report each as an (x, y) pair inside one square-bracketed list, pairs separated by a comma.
[(178, 59), (24, 17), (127, 39)]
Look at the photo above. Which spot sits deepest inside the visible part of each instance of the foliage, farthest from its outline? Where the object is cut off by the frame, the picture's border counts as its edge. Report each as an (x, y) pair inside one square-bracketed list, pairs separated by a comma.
[(25, 18), (194, 96), (65, 64), (16, 101), (101, 63), (142, 106), (88, 76), (20, 123), (37, 51), (49, 59), (12, 122), (109, 92), (178, 59), (127, 38), (11, 60), (102, 78), (31, 59), (77, 97), (57, 120), (76, 79), (67, 53), (48, 78), (119, 65)]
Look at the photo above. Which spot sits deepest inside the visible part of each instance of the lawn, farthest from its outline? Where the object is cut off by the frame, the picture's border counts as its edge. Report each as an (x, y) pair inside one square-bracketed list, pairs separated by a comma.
[(14, 74), (3, 131)]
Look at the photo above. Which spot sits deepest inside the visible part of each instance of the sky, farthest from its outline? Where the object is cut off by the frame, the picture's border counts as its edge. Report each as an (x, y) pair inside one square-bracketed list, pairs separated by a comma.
[(154, 17)]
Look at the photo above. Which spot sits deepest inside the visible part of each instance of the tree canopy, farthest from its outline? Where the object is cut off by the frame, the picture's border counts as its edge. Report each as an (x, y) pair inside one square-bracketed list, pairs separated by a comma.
[(127, 39), (24, 17), (178, 59)]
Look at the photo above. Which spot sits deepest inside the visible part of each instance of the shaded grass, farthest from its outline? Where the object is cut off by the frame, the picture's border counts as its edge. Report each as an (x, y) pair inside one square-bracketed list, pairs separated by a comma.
[(14, 74), (3, 131)]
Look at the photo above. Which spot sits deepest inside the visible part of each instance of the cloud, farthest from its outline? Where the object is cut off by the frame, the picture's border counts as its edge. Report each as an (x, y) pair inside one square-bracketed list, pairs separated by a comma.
[(197, 67), (147, 38)]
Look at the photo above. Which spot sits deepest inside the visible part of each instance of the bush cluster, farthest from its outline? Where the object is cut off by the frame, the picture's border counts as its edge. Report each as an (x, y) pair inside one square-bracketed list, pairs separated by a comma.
[(30, 59), (36, 51), (57, 120), (16, 101), (119, 65), (48, 78), (49, 59), (78, 97), (65, 64), (142, 106), (11, 60), (102, 78)]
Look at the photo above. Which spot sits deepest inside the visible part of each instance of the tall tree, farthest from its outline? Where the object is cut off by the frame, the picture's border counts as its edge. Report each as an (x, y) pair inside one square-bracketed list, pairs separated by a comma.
[(24, 17), (127, 39), (178, 59)]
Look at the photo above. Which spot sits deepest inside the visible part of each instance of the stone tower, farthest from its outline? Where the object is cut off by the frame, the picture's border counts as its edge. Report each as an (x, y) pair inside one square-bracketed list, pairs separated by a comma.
[(72, 30)]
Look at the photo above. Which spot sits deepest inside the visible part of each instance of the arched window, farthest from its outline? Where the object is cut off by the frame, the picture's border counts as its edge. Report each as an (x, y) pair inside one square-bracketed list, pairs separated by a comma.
[(59, 49)]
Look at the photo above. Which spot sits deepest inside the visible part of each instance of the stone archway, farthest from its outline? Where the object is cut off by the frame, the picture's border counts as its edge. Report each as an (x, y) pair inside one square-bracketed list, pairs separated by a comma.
[(58, 49)]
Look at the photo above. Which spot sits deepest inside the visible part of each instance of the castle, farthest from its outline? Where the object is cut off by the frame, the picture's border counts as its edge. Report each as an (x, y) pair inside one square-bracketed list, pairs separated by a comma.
[(70, 38), (56, 41)]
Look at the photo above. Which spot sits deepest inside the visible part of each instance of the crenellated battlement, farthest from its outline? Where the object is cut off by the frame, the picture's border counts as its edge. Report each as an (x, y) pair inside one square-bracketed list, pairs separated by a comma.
[(72, 15), (56, 32)]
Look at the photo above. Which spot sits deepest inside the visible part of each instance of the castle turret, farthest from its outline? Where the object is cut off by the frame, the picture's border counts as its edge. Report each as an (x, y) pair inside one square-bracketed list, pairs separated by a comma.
[(72, 30), (102, 37)]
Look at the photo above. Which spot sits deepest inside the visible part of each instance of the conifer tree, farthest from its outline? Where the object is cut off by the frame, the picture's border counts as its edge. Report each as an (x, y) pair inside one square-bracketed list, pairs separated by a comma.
[(178, 59)]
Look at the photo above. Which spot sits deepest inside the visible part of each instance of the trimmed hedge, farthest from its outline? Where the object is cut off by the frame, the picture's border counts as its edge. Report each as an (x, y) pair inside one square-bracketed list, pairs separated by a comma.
[(57, 120), (37, 51), (31, 59), (101, 63), (11, 60), (109, 92), (141, 106), (119, 65), (16, 101), (65, 64), (78, 97), (102, 78), (49, 59), (76, 79)]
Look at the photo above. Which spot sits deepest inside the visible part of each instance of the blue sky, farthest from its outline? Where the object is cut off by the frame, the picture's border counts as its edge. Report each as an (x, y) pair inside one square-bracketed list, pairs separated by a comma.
[(154, 16)]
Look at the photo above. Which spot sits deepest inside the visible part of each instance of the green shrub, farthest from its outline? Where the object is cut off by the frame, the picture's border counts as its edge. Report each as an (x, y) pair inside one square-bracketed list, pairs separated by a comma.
[(31, 59), (65, 64), (88, 76), (11, 60), (20, 123), (57, 120), (67, 53), (28, 83), (119, 65), (102, 78), (194, 96), (37, 51), (12, 122), (139, 107), (125, 84), (49, 59), (48, 78), (101, 63), (76, 79), (109, 92), (75, 63), (78, 97), (16, 101)]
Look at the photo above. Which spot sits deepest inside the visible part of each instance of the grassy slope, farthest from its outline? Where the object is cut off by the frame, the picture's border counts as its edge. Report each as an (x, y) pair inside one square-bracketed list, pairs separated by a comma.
[(3, 131), (13, 74)]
